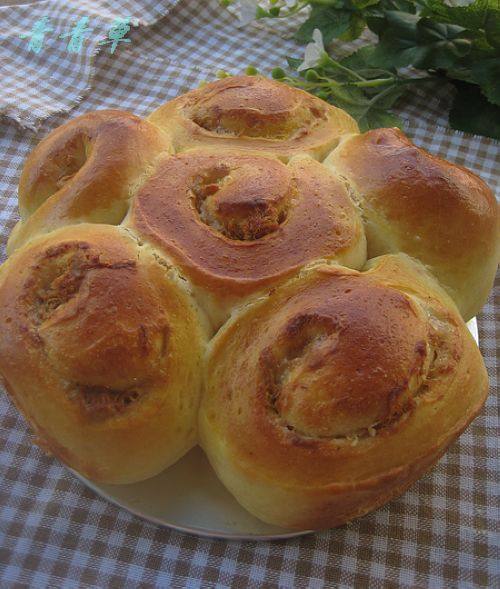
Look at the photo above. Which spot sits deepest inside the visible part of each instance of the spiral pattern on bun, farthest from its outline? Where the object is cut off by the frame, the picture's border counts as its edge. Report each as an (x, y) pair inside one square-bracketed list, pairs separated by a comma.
[(236, 223), (101, 349), (334, 393), (85, 170), (422, 205), (335, 382), (252, 112)]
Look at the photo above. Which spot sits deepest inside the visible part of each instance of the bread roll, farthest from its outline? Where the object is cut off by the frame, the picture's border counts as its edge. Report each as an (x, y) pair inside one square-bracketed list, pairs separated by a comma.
[(334, 384), (429, 208), (237, 223), (252, 112), (101, 348), (85, 170), (332, 395)]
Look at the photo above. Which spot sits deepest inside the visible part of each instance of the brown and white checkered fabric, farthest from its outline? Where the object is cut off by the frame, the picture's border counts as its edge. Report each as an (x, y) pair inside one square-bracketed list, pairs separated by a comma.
[(54, 532)]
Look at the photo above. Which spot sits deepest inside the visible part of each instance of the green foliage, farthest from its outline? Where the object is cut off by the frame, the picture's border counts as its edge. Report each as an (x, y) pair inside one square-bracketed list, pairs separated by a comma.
[(331, 22), (471, 112), (474, 16), (487, 75), (407, 39), (353, 84), (451, 44)]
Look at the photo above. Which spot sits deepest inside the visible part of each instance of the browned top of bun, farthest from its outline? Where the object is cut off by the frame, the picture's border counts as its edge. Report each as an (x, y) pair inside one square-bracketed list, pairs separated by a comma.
[(431, 209), (63, 304), (86, 170), (406, 183), (340, 376), (253, 112), (338, 380), (101, 348), (235, 222)]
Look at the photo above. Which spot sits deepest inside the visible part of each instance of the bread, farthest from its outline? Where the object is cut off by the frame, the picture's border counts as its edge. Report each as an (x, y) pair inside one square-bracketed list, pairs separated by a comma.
[(85, 171), (422, 205), (218, 251), (236, 223), (102, 348), (251, 112), (332, 395)]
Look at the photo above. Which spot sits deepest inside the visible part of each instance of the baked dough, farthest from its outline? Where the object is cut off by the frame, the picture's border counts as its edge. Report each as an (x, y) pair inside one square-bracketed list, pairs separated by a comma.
[(251, 112), (101, 348), (212, 252), (237, 223), (86, 171), (333, 394), (431, 209)]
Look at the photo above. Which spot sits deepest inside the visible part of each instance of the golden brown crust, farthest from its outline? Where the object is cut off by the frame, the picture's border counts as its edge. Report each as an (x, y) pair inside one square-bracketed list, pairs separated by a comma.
[(236, 223), (85, 170), (333, 394), (101, 349), (427, 207), (252, 112), (326, 395)]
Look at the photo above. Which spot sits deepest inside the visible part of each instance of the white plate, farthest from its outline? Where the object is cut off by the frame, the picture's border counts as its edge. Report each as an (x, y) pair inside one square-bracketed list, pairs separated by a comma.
[(189, 497)]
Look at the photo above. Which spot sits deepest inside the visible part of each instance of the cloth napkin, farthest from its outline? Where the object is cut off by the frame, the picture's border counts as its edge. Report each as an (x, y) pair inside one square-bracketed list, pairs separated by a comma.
[(48, 50)]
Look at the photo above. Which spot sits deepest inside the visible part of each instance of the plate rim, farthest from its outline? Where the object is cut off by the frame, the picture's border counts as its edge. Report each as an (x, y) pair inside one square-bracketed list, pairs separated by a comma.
[(201, 532)]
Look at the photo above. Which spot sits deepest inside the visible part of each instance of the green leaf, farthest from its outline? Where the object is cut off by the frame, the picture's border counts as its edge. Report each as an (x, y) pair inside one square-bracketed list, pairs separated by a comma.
[(376, 118), (361, 4), (351, 99), (402, 5), (357, 25), (472, 113), (360, 62), (487, 75), (441, 45), (261, 13), (408, 39), (293, 62), (387, 98), (330, 21), (481, 49), (370, 113), (403, 24), (360, 58), (398, 41), (472, 17), (463, 74), (376, 15), (492, 28)]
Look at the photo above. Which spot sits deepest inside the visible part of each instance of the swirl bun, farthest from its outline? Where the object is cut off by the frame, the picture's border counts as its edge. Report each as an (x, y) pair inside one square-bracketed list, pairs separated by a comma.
[(334, 393), (424, 206), (236, 223), (335, 382), (101, 349), (251, 112), (85, 170)]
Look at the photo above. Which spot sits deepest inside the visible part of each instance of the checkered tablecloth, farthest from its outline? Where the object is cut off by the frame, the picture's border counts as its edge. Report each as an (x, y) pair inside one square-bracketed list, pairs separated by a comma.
[(54, 532)]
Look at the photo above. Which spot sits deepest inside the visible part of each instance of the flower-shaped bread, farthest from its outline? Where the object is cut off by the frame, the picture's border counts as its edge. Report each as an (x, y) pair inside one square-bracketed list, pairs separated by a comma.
[(246, 270)]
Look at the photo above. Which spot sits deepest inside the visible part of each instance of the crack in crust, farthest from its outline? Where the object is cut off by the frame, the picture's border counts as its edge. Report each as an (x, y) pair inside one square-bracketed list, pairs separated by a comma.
[(100, 403), (309, 343), (256, 110), (58, 276), (233, 201)]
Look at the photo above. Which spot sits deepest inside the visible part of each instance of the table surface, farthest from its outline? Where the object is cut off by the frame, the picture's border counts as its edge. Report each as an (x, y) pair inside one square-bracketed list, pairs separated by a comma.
[(54, 531)]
